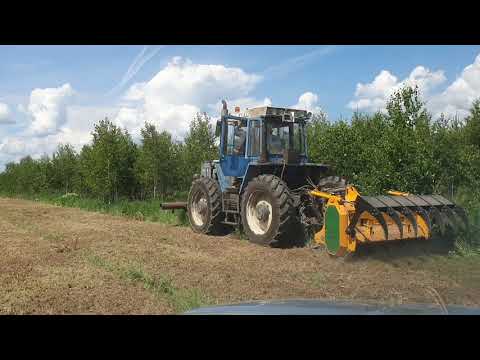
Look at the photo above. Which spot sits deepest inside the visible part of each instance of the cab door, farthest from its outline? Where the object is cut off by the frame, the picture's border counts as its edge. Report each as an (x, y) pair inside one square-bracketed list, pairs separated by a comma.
[(233, 159)]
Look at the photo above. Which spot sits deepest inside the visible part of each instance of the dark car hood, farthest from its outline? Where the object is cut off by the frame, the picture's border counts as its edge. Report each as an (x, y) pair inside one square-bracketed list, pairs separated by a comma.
[(318, 307)]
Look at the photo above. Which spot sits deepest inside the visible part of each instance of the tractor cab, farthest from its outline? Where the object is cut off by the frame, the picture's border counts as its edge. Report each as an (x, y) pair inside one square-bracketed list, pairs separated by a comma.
[(263, 135)]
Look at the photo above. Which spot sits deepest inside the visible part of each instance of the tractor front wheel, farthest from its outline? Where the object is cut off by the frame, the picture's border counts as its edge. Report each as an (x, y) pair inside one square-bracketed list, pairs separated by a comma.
[(267, 211)]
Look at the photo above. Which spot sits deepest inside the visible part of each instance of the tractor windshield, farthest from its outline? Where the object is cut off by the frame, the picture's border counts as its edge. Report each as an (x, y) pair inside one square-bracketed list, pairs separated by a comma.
[(285, 136)]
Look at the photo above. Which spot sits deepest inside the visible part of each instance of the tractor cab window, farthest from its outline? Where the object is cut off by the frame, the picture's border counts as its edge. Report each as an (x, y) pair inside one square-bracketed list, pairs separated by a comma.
[(299, 138), (236, 137), (285, 135), (277, 138), (254, 138)]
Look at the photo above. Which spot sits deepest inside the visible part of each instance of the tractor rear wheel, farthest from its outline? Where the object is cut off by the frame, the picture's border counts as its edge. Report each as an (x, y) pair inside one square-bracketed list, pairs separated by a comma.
[(204, 207), (267, 211)]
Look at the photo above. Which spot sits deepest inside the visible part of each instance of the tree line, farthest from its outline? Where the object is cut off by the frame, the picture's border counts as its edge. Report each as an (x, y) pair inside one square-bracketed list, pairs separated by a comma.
[(114, 167), (402, 148)]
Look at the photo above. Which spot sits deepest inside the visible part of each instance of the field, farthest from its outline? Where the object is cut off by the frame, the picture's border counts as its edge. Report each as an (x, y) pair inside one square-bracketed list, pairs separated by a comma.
[(58, 260)]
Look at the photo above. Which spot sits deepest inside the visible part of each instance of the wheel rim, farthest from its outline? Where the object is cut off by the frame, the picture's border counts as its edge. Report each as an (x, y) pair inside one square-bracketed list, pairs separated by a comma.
[(259, 213), (199, 209)]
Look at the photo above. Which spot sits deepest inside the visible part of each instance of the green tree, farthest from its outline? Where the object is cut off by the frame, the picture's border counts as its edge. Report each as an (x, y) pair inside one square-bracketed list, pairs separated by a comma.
[(469, 159), (409, 149), (155, 160), (107, 166), (27, 175), (64, 167), (472, 125), (199, 146), (9, 178)]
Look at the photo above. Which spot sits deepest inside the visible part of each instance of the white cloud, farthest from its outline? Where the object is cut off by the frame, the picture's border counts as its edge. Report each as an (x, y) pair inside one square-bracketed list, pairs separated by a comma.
[(17, 147), (375, 95), (308, 101), (182, 81), (130, 118), (176, 93), (13, 146), (5, 114), (172, 98), (47, 107), (80, 123), (425, 79), (455, 100), (377, 89), (46, 113), (458, 97), (267, 101), (173, 118), (76, 131)]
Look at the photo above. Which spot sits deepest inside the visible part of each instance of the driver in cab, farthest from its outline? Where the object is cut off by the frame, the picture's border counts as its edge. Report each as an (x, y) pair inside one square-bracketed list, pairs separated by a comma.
[(240, 140)]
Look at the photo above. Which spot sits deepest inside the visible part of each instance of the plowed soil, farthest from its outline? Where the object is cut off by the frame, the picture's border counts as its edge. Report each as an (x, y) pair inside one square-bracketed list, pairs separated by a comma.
[(56, 260)]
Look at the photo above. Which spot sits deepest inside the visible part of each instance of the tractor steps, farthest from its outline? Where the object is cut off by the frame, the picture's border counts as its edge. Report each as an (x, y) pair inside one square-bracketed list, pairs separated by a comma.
[(231, 208), (230, 223), (230, 203), (233, 218)]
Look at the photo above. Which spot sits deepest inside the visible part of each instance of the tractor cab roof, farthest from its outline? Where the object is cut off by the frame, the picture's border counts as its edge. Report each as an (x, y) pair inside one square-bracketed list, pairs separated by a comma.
[(276, 113)]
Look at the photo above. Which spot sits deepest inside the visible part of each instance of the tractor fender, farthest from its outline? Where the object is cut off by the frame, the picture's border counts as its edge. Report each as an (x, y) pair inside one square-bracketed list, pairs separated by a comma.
[(294, 175)]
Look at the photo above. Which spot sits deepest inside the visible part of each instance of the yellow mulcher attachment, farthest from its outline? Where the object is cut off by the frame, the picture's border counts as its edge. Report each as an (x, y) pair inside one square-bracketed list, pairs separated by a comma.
[(350, 219)]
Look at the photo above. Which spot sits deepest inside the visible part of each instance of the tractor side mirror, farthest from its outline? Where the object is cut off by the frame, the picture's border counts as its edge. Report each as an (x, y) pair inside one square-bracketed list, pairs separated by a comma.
[(218, 128)]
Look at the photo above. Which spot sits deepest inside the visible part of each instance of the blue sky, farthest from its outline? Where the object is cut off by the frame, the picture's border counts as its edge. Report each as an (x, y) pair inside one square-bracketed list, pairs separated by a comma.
[(53, 94)]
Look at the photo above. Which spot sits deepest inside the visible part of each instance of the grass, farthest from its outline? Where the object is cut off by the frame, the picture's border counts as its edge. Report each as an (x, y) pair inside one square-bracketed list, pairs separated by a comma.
[(180, 299), (53, 237), (161, 286), (318, 279), (239, 234), (147, 210), (466, 248), (466, 243), (138, 272)]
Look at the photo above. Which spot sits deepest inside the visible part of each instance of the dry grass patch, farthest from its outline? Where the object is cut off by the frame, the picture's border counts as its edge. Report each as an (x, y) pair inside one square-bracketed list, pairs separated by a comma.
[(63, 260), (180, 299)]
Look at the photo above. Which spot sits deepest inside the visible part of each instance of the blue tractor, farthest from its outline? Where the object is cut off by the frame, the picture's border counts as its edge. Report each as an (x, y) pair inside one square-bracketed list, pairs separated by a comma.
[(257, 182), (264, 184)]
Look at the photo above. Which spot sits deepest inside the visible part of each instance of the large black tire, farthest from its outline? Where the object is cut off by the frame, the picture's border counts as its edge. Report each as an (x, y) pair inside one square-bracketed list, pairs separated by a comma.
[(271, 195), (204, 207)]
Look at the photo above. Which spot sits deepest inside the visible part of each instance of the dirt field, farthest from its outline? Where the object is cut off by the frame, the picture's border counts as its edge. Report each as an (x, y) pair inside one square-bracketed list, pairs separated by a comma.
[(58, 260)]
